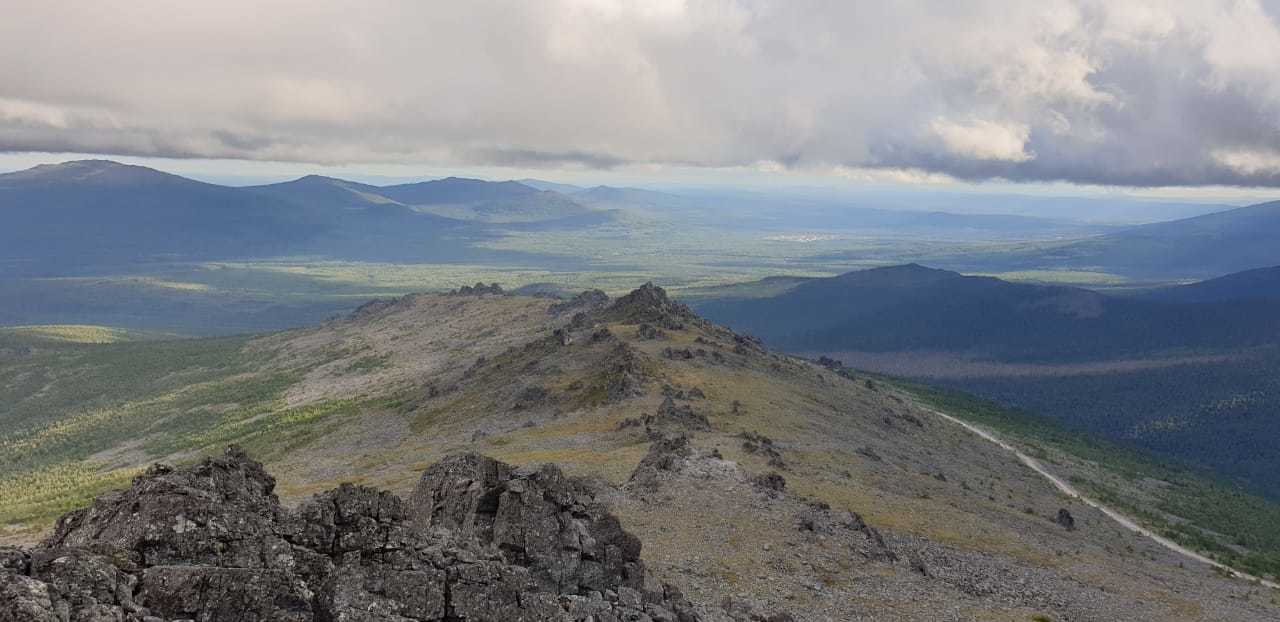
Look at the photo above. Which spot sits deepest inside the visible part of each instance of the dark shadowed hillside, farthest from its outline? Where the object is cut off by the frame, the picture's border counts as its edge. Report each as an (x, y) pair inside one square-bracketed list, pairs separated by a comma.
[(90, 212), (100, 216), (913, 308), (1193, 381), (1204, 246), (1262, 284)]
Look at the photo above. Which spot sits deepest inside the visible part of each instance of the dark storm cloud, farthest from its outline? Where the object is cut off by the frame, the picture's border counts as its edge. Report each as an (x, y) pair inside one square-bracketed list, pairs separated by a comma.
[(1128, 92)]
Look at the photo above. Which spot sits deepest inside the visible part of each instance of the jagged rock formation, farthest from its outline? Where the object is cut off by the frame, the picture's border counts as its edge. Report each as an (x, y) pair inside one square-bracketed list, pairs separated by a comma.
[(624, 375), (479, 289), (477, 540), (586, 302), (666, 454), (819, 518), (649, 304), (673, 416)]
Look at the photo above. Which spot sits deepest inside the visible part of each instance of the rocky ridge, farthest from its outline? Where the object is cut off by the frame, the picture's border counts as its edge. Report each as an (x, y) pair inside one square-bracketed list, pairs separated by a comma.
[(477, 540)]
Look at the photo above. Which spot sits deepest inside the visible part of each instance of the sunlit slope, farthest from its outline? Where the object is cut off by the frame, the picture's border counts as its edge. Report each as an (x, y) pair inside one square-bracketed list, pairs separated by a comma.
[(374, 397)]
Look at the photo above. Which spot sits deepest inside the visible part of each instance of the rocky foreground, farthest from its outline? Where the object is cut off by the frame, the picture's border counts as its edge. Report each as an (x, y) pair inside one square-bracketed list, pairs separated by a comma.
[(477, 540)]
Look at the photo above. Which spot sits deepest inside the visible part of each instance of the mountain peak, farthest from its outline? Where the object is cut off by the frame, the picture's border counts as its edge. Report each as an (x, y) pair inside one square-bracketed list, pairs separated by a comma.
[(906, 273), (95, 172), (649, 303)]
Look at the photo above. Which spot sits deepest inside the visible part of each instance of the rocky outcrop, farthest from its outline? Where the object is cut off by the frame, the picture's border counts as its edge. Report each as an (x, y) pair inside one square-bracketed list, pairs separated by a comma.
[(649, 304), (648, 332), (478, 289), (666, 455), (819, 518), (624, 374), (671, 416), (477, 540), (586, 302), (771, 482), (538, 518)]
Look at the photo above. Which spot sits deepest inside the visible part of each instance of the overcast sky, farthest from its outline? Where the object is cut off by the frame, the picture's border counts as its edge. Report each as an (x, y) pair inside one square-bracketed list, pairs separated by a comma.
[(1115, 92)]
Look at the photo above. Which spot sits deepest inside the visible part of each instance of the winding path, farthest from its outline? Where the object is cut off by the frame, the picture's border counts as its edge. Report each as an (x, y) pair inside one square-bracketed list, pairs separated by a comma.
[(1124, 521)]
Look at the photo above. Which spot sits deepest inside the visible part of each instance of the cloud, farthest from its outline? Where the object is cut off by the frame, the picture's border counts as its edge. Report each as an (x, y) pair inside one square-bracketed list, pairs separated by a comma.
[(984, 140), (1248, 162), (1116, 92)]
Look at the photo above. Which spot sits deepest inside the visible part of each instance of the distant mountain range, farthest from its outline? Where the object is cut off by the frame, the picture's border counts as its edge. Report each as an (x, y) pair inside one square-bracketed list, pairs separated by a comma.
[(1251, 285), (64, 217), (914, 308), (1205, 246)]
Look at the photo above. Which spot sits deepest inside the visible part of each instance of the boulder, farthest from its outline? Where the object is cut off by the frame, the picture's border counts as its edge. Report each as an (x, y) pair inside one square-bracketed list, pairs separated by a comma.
[(1065, 519), (537, 518)]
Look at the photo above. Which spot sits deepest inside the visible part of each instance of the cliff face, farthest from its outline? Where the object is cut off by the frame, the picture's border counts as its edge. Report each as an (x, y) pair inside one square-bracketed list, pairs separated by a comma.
[(478, 540)]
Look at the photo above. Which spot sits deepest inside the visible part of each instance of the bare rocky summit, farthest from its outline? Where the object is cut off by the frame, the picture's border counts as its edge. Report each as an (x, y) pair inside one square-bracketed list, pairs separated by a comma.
[(477, 540), (649, 304)]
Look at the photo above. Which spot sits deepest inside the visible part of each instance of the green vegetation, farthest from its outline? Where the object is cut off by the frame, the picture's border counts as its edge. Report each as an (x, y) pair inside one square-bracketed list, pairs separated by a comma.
[(1192, 508), (1081, 278), (66, 403), (69, 333), (40, 495), (368, 364)]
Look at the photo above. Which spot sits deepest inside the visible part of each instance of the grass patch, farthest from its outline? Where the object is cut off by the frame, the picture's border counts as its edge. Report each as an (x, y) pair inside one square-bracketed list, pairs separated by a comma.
[(71, 333), (367, 364), (39, 497)]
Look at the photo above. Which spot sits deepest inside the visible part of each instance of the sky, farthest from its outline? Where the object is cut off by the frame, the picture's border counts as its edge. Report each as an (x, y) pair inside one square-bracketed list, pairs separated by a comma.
[(1118, 94)]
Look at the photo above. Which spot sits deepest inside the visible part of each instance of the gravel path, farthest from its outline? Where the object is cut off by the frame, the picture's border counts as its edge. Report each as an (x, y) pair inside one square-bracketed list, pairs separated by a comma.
[(1124, 521)]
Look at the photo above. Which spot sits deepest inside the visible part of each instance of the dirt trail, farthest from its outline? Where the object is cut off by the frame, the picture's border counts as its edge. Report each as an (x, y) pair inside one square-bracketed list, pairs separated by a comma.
[(1124, 521)]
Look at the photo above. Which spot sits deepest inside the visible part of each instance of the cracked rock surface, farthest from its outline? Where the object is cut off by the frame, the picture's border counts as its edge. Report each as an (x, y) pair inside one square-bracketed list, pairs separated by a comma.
[(477, 540)]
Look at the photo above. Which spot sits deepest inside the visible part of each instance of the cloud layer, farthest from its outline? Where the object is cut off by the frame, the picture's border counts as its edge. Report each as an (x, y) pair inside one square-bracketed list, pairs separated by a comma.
[(1124, 92)]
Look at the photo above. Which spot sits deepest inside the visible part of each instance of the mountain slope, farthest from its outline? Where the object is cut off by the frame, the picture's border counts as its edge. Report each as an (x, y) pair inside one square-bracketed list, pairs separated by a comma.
[(736, 467), (326, 192), (911, 307), (486, 201), (551, 185), (94, 211), (98, 216), (1207, 246), (1261, 284), (1193, 382)]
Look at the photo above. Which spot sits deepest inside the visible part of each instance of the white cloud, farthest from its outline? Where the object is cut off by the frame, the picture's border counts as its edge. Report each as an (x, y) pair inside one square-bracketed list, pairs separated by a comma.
[(1130, 92), (1249, 161), (984, 140)]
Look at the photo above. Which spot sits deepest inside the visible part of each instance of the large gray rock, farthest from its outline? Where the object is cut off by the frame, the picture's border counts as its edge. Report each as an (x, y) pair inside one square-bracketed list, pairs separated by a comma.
[(537, 518), (478, 540), (220, 512)]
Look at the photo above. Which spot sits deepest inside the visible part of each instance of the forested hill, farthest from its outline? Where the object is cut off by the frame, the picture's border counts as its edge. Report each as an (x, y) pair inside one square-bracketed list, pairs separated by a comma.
[(914, 308)]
